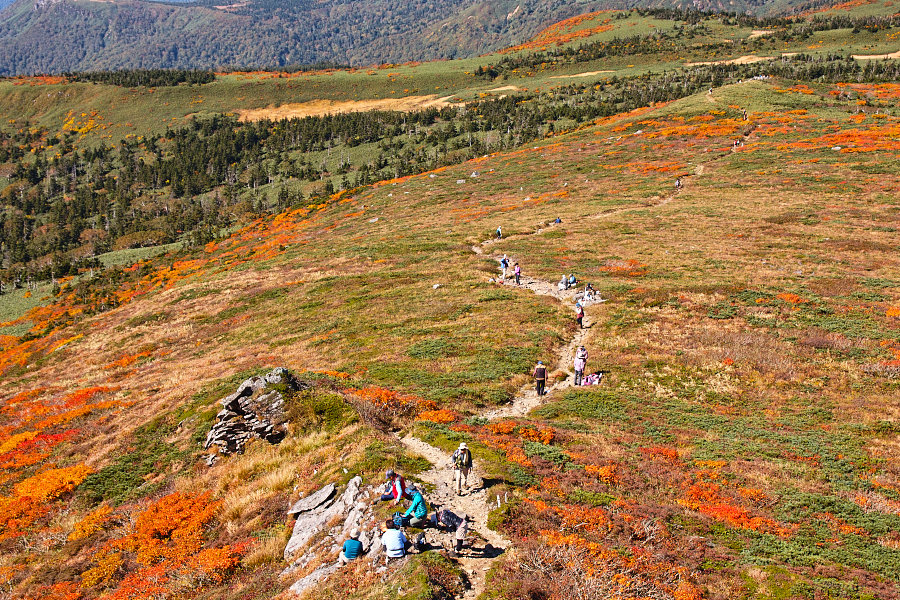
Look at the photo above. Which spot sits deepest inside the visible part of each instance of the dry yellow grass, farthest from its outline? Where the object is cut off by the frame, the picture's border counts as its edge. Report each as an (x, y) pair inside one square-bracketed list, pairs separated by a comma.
[(318, 108)]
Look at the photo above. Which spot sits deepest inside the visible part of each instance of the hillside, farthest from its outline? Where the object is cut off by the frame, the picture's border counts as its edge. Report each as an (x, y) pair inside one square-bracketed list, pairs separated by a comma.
[(99, 168), (90, 35), (729, 190), (742, 442)]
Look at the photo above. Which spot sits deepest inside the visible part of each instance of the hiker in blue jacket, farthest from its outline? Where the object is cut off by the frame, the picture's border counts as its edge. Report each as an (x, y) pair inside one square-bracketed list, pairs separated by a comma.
[(417, 512), (352, 549)]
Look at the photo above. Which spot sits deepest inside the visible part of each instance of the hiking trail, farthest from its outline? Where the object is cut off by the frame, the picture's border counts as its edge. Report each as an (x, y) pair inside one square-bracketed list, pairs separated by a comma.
[(476, 503)]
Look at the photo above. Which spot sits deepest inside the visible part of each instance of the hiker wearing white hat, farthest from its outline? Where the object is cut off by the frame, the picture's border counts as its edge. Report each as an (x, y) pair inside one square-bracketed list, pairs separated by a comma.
[(352, 548), (462, 463)]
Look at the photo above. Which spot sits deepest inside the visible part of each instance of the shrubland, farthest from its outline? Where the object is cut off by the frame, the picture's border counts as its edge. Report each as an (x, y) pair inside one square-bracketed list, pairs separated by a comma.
[(742, 442)]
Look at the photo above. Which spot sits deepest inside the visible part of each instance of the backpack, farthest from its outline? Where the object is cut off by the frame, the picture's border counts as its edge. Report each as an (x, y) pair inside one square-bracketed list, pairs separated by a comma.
[(463, 459)]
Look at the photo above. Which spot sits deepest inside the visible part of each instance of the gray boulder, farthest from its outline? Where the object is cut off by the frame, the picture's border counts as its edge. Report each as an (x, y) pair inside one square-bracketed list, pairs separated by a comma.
[(313, 501), (310, 523)]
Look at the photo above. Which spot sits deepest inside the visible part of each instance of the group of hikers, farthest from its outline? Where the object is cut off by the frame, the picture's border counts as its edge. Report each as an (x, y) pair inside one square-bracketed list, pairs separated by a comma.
[(504, 266), (581, 356), (393, 539)]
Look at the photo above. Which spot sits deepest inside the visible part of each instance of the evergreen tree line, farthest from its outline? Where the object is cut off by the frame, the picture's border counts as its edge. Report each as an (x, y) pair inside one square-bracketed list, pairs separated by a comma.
[(673, 41), (145, 77)]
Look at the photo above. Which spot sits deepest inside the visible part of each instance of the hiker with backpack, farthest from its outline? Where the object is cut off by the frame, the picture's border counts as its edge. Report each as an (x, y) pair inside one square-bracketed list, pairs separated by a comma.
[(462, 464), (579, 315), (417, 513), (517, 272), (540, 378), (499, 232), (504, 264), (581, 356), (449, 520)]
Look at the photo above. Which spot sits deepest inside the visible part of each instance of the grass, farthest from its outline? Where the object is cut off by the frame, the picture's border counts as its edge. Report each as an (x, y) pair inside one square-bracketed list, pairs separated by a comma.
[(741, 315)]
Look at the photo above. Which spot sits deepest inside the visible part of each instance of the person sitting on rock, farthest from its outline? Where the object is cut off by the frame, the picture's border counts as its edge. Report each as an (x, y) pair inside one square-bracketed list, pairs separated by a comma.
[(395, 490), (352, 549), (417, 513), (393, 540)]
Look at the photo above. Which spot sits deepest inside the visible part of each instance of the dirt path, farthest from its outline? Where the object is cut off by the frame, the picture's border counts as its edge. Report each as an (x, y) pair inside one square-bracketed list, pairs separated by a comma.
[(475, 503)]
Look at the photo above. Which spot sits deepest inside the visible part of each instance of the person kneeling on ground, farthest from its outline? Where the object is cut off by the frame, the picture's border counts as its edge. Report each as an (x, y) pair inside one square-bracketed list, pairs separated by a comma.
[(451, 521), (352, 548), (417, 513), (393, 540)]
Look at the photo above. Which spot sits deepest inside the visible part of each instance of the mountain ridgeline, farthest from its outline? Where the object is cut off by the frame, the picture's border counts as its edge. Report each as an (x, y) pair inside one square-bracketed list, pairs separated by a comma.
[(132, 34)]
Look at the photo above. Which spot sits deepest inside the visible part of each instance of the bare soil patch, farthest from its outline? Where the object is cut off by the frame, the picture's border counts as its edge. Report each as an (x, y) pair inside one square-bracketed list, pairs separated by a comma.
[(318, 108), (876, 56), (741, 60), (585, 74)]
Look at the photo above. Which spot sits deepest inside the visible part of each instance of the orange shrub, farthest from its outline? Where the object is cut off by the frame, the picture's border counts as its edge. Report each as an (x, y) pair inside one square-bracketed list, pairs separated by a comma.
[(501, 427), (608, 474), (91, 523), (53, 483), (437, 416)]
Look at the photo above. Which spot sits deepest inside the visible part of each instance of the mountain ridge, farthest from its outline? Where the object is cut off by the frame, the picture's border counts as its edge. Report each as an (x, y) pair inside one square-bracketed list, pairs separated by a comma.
[(91, 35)]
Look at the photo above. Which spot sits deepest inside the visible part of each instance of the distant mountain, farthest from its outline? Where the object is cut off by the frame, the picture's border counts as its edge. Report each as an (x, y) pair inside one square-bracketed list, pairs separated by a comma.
[(49, 36), (86, 34)]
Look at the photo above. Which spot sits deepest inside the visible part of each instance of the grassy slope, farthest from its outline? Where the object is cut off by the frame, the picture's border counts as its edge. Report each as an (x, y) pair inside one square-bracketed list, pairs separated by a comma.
[(713, 379), (121, 112), (773, 389)]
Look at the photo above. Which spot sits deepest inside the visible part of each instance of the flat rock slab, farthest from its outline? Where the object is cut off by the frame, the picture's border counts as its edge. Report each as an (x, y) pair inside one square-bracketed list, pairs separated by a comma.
[(313, 501)]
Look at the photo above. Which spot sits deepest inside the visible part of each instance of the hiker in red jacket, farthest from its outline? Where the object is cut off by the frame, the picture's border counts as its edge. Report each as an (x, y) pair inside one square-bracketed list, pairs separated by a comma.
[(396, 488)]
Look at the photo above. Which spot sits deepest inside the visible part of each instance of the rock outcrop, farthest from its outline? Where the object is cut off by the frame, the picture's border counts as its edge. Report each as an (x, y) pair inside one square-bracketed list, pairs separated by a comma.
[(324, 521), (254, 410)]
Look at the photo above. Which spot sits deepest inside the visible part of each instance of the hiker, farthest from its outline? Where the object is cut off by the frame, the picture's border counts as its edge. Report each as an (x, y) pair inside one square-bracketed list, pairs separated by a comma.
[(393, 540), (458, 523), (540, 378), (563, 284), (580, 362), (417, 513), (462, 463), (589, 293), (678, 183), (558, 221), (517, 271), (504, 264), (593, 378), (352, 548), (579, 315), (499, 232), (572, 281), (395, 490)]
